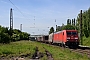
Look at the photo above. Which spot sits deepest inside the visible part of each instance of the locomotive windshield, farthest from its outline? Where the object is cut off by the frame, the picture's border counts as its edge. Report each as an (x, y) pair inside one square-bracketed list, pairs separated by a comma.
[(74, 33), (68, 33), (71, 33)]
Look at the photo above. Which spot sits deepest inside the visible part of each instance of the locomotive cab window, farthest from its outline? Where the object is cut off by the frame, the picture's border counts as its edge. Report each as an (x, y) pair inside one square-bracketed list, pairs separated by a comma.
[(68, 33), (71, 33), (74, 33)]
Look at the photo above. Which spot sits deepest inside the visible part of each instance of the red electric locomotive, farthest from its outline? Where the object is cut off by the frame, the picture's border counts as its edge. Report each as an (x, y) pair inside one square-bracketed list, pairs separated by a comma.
[(66, 37)]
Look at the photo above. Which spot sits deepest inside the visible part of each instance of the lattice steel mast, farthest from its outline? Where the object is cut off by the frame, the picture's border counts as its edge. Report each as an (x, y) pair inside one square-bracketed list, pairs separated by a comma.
[(11, 22)]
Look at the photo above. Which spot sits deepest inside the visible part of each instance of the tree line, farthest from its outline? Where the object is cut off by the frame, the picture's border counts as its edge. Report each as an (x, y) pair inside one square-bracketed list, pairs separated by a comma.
[(85, 23), (74, 24), (17, 35), (71, 25)]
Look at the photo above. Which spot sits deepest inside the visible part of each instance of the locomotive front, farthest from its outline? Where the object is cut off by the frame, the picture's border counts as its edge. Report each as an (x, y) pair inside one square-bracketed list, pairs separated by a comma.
[(72, 38)]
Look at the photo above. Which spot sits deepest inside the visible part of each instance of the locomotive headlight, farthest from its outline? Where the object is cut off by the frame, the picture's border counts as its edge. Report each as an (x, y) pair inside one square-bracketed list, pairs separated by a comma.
[(76, 38), (68, 38)]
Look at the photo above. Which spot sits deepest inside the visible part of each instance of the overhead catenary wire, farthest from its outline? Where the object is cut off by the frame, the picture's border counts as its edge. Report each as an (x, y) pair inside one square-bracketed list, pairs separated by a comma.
[(22, 12), (17, 8)]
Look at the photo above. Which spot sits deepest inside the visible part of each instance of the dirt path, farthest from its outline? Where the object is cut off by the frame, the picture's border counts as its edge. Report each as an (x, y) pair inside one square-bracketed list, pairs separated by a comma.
[(37, 55), (49, 55)]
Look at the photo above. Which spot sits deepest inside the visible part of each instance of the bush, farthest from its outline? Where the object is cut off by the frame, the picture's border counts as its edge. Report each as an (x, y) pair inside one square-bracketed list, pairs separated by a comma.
[(4, 38), (15, 37), (86, 32)]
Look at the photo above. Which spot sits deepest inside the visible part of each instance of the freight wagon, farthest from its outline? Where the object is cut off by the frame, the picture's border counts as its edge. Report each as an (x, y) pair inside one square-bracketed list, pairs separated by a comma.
[(43, 38), (50, 40)]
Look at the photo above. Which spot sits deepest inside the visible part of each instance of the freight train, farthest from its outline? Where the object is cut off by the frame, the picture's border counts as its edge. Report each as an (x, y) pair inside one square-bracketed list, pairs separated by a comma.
[(63, 38)]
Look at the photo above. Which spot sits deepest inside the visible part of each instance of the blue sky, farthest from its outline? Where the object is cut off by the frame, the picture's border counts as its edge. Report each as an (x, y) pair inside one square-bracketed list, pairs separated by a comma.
[(40, 14)]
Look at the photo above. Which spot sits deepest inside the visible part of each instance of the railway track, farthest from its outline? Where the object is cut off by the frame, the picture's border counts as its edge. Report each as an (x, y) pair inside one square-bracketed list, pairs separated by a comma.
[(82, 51)]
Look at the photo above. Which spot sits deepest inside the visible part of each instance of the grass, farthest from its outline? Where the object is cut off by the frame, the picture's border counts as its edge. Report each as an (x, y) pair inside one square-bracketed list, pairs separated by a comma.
[(64, 54), (17, 48), (86, 41), (28, 47)]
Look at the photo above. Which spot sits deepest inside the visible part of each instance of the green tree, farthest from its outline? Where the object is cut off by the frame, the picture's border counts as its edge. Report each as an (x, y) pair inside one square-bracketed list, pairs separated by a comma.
[(51, 30), (85, 23), (4, 36), (74, 22), (18, 35), (68, 27), (59, 28), (68, 21)]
